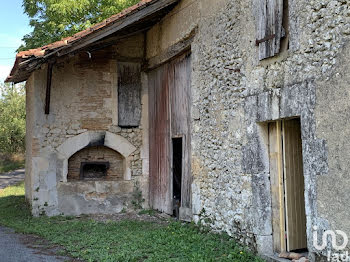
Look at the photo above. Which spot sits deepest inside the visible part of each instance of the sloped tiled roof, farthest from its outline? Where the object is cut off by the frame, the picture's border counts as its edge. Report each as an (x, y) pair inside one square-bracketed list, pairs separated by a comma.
[(20, 70)]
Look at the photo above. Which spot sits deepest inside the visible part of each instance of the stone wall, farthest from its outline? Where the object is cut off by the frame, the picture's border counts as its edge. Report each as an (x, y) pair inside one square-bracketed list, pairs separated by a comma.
[(84, 103), (233, 95), (233, 92)]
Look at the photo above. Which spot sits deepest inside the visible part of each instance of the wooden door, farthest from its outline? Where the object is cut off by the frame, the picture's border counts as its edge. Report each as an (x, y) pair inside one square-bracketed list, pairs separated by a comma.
[(277, 185), (169, 116), (294, 185), (159, 131), (180, 94), (287, 185)]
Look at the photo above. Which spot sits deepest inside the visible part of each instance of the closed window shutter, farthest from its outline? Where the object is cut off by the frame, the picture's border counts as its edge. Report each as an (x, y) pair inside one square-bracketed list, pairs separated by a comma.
[(269, 27), (129, 94)]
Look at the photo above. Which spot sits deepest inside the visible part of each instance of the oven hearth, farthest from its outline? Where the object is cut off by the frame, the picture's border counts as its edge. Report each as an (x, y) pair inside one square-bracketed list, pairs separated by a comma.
[(93, 170)]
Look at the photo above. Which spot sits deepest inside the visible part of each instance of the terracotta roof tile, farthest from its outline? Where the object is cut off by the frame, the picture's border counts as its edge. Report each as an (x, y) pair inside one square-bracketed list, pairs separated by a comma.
[(41, 51)]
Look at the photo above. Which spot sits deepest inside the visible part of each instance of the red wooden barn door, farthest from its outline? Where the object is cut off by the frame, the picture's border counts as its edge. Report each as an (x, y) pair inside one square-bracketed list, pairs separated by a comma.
[(169, 116), (159, 117)]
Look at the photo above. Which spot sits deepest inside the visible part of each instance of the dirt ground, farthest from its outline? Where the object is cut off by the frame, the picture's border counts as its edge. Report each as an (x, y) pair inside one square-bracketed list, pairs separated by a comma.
[(154, 217), (11, 178)]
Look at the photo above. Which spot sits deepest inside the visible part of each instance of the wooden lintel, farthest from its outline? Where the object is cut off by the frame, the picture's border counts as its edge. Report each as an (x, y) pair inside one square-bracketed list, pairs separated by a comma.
[(48, 88), (120, 58), (171, 52), (111, 41)]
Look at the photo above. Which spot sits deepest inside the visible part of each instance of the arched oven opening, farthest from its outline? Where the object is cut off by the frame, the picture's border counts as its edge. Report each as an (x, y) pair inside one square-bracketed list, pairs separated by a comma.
[(95, 163), (93, 170)]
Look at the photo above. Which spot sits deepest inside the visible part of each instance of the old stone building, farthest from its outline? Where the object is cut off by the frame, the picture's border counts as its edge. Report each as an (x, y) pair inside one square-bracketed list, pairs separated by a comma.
[(238, 109)]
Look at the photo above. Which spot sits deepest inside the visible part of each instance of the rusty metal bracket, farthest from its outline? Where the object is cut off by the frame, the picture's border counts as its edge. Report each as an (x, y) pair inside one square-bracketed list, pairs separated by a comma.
[(266, 38)]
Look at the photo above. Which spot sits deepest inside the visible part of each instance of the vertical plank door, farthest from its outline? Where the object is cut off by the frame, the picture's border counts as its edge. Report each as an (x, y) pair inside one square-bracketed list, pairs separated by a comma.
[(159, 140), (277, 191), (180, 94), (169, 116), (294, 185)]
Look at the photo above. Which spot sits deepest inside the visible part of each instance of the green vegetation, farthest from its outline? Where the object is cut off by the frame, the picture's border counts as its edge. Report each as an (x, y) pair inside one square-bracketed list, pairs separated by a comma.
[(12, 119), (120, 241), (137, 195), (52, 20), (11, 163), (12, 127), (150, 212)]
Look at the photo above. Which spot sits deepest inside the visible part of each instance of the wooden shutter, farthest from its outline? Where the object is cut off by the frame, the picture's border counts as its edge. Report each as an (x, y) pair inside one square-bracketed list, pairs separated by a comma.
[(294, 185), (269, 16), (129, 94)]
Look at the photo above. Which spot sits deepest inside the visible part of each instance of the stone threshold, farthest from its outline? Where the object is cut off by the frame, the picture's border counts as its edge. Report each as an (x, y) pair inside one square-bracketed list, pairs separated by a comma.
[(275, 258)]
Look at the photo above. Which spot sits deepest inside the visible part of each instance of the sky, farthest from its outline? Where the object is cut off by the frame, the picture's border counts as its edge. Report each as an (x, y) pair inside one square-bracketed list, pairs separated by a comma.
[(13, 26)]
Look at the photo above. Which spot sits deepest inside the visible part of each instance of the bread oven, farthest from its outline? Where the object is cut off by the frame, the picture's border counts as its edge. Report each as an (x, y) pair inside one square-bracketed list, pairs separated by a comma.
[(96, 174), (93, 170), (95, 163)]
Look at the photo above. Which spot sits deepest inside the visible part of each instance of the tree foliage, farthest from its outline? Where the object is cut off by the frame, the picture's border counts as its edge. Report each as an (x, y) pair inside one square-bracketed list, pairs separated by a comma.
[(52, 20), (12, 118)]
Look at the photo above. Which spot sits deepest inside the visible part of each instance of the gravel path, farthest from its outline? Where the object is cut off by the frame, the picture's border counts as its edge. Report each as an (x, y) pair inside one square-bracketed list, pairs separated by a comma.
[(13, 249), (11, 178), (23, 248)]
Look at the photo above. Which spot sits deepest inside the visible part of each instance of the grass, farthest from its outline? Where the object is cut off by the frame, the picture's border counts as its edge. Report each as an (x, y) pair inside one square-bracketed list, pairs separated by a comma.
[(120, 241), (11, 163)]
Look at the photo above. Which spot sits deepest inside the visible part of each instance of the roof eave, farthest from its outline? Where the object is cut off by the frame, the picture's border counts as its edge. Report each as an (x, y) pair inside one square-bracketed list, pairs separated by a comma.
[(146, 8)]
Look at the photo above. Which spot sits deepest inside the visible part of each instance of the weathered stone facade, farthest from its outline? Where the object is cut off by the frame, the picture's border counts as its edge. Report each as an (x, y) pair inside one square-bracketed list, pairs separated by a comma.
[(233, 96), (233, 92), (84, 108)]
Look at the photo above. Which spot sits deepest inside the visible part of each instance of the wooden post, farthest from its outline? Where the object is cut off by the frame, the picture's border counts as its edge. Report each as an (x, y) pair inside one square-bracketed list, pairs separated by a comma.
[(48, 88)]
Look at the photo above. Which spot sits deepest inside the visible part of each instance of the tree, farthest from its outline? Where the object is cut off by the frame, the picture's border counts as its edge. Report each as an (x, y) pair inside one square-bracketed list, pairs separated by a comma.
[(12, 118), (52, 20)]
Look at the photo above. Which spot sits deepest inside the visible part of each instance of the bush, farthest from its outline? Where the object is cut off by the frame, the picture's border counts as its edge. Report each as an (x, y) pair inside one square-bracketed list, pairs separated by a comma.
[(11, 162)]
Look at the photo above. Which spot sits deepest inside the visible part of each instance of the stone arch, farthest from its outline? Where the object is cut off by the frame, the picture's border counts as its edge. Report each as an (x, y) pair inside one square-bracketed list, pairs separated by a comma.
[(92, 138)]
